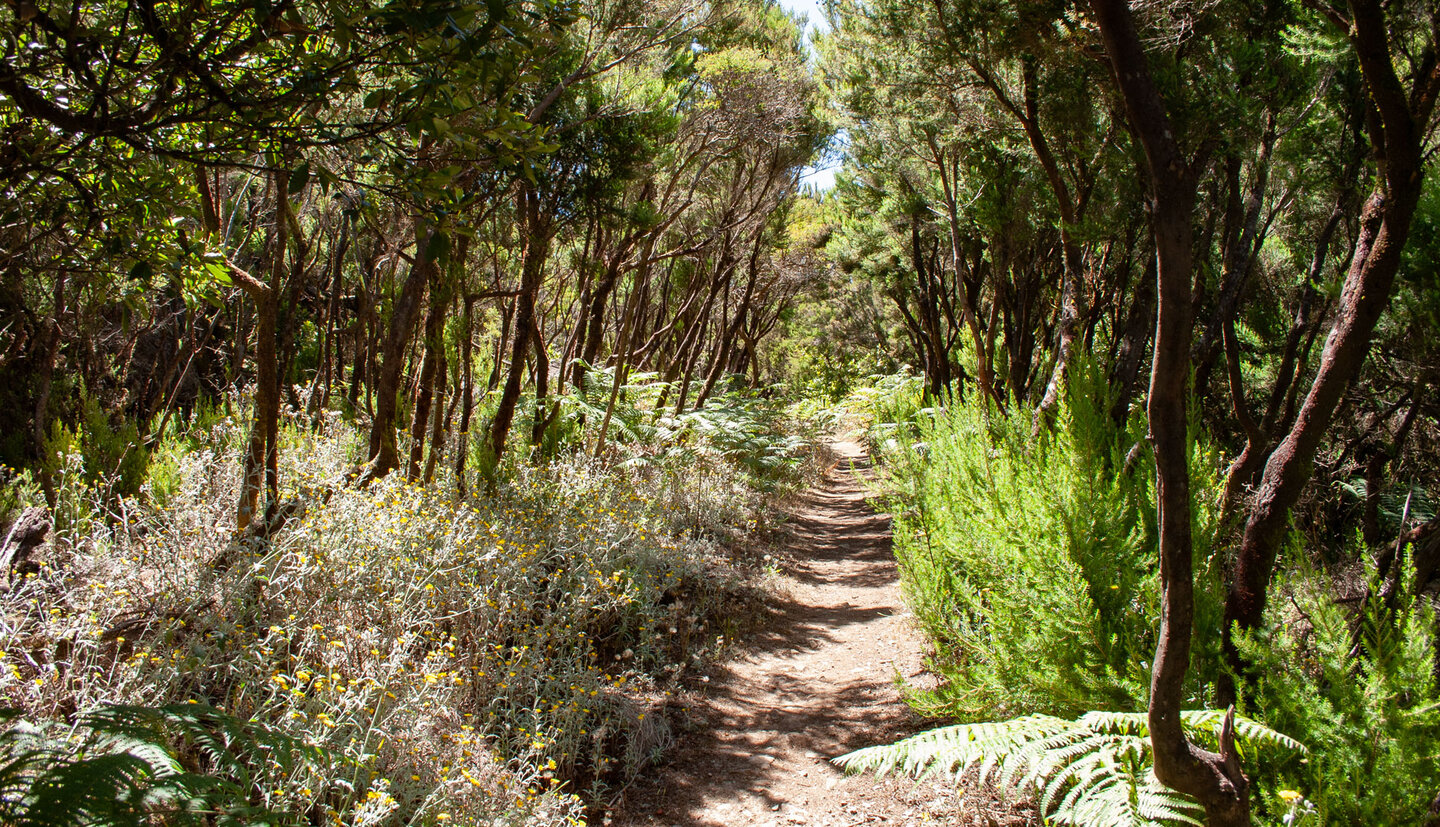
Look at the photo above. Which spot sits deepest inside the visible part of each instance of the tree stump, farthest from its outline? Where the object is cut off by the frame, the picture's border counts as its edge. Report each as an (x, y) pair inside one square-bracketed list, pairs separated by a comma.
[(26, 534)]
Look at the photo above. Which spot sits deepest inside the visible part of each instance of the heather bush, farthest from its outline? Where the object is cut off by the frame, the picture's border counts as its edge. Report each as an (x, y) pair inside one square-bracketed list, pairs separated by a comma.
[(1030, 560), (1357, 681)]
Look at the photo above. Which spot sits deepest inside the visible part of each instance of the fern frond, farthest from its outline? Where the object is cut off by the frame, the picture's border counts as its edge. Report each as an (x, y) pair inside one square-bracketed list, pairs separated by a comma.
[(1248, 732), (125, 770), (1120, 723), (1157, 802), (1093, 771), (1117, 800), (953, 749)]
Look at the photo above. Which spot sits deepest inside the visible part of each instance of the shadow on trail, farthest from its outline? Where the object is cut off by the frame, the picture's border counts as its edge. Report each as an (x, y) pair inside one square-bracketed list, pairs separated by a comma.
[(817, 679)]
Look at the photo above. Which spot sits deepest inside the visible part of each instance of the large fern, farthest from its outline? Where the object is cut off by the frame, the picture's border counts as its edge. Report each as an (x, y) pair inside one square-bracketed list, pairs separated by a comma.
[(124, 765), (1093, 771)]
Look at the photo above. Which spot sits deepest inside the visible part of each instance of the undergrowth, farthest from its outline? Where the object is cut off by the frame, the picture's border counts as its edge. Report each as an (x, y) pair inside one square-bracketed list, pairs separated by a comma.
[(503, 659), (1359, 684), (1096, 771), (1030, 561)]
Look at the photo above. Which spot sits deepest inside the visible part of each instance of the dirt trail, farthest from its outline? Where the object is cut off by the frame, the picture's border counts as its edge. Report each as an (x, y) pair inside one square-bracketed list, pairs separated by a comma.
[(819, 681)]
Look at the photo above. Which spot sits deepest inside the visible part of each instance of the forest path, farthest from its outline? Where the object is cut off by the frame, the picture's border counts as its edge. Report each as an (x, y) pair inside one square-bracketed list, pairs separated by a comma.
[(818, 681)]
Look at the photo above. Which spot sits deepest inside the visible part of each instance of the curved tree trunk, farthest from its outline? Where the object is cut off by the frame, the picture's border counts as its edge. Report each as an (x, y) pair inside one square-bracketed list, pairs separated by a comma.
[(1215, 780), (1400, 121)]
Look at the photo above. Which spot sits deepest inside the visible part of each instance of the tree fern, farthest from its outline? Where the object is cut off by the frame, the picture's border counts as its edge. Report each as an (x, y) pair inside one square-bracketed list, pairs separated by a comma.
[(1092, 771)]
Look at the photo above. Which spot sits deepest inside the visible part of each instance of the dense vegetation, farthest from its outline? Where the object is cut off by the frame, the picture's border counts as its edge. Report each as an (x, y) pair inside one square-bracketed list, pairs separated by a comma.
[(1053, 196), (367, 377), (413, 380)]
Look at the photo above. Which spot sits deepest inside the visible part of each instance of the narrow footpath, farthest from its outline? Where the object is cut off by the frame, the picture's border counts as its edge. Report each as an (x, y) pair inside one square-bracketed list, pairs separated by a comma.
[(819, 680)]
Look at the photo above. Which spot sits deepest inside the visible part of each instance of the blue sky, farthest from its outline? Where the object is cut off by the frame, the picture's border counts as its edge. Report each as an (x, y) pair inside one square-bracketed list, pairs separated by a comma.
[(822, 178), (808, 7)]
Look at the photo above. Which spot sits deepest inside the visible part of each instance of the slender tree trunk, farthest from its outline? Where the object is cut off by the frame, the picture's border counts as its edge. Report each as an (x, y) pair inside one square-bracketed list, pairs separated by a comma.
[(1131, 354), (984, 374), (1305, 320), (437, 426), (729, 332), (536, 248), (1215, 780), (429, 368), (49, 354), (384, 454), (622, 367), (688, 362), (330, 351), (261, 453), (467, 391), (542, 418), (1242, 237)]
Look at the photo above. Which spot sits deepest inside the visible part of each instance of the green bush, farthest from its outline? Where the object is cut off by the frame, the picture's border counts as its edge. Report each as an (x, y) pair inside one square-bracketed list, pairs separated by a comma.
[(1373, 721), (890, 406), (1031, 562), (97, 455), (18, 490), (742, 428)]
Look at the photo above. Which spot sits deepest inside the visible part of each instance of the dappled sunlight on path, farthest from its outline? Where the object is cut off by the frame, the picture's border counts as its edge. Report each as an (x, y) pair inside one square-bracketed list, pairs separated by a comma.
[(819, 680)]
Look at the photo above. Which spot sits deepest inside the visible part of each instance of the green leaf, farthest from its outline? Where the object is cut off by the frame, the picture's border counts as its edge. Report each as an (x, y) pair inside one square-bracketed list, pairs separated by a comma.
[(1092, 771), (299, 178)]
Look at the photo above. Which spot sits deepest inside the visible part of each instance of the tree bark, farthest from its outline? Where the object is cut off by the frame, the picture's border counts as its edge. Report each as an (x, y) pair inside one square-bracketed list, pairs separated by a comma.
[(1243, 236), (467, 390), (730, 331), (429, 368), (439, 419), (532, 266), (1214, 779), (261, 452), (49, 354), (1131, 354)]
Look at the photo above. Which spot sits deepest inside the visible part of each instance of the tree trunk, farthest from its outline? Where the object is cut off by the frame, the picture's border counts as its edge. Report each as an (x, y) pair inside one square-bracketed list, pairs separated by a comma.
[(542, 418), (1400, 121), (536, 247), (1131, 354), (730, 331), (1242, 238), (437, 427), (330, 352), (49, 354), (434, 353), (261, 452), (467, 391), (384, 454), (984, 373), (1215, 780)]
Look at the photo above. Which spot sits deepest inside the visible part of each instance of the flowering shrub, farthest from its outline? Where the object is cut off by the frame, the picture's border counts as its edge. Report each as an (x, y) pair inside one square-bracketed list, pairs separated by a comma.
[(498, 660)]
